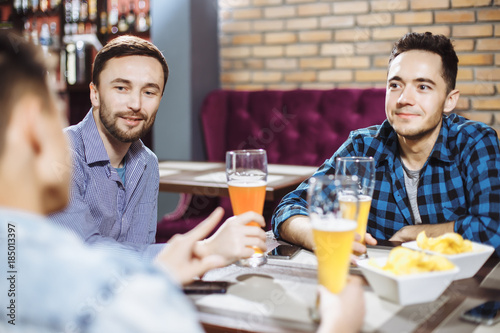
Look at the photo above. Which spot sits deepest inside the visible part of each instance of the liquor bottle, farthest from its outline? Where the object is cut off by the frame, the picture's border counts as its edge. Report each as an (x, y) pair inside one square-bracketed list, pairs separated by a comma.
[(113, 17), (84, 10), (18, 6), (68, 16), (92, 10), (54, 3), (45, 36), (44, 5), (34, 5), (26, 6), (122, 23), (104, 23), (131, 17), (75, 11)]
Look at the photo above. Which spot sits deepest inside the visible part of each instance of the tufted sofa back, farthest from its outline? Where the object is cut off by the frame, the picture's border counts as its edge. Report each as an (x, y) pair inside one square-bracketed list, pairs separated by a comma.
[(302, 127)]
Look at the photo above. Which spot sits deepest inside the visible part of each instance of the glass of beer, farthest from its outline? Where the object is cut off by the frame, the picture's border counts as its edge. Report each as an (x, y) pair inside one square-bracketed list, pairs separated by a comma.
[(246, 172), (333, 226), (361, 170)]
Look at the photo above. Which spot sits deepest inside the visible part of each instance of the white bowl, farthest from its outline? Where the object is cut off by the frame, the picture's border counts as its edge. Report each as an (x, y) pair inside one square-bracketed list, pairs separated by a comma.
[(406, 289), (468, 262)]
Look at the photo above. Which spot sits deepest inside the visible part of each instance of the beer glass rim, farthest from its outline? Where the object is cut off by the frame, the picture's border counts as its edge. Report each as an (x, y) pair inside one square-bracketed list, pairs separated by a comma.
[(355, 158), (246, 151)]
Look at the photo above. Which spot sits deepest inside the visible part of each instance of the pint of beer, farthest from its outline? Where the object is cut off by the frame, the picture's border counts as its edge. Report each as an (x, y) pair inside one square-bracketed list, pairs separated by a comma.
[(364, 202), (247, 196), (333, 223), (246, 172), (361, 170)]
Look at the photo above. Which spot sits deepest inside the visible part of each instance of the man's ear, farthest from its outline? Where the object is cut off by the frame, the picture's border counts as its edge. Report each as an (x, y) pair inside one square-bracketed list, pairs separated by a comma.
[(451, 101), (94, 95)]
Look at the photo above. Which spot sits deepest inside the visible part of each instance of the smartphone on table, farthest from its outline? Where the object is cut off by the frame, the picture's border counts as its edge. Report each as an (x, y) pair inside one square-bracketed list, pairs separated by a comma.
[(201, 287), (487, 313), (284, 251)]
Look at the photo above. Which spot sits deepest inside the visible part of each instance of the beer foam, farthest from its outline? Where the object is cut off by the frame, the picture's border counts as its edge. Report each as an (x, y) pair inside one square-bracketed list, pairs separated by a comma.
[(352, 198), (247, 183), (332, 224)]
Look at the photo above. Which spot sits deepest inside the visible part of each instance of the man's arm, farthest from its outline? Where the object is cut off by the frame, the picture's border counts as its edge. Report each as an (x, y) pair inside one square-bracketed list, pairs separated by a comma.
[(297, 230), (410, 232)]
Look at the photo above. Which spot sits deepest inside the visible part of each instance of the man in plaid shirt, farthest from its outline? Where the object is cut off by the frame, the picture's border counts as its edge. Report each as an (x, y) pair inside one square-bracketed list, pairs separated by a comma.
[(454, 162)]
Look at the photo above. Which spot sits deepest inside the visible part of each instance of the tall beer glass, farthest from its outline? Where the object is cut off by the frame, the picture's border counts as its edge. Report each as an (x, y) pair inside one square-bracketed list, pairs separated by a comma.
[(362, 171), (333, 227), (246, 172)]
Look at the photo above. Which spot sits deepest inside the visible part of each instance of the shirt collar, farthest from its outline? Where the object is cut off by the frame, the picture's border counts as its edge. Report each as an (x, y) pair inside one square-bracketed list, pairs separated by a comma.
[(92, 142), (440, 150), (94, 147)]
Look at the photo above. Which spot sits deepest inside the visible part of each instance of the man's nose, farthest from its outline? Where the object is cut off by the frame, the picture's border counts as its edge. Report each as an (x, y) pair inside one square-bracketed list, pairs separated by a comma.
[(134, 102), (407, 96)]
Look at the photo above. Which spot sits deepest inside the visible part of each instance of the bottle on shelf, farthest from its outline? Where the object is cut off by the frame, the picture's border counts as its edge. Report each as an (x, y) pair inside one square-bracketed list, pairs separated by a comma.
[(142, 20), (113, 17), (92, 8), (131, 17), (122, 22), (103, 30)]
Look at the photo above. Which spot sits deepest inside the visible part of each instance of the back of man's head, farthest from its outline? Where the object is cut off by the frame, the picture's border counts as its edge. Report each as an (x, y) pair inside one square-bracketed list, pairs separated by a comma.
[(438, 44), (22, 71), (124, 46)]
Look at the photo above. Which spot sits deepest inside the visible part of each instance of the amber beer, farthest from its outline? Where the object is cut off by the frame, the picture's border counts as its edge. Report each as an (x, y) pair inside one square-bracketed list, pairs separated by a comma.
[(247, 195), (348, 206), (333, 240)]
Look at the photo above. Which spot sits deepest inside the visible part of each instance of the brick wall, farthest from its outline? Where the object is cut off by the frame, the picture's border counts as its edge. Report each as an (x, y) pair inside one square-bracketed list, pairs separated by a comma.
[(324, 44)]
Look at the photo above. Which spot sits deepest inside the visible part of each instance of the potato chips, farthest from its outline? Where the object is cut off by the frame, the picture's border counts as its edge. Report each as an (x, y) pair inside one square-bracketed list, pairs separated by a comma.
[(403, 261), (449, 243)]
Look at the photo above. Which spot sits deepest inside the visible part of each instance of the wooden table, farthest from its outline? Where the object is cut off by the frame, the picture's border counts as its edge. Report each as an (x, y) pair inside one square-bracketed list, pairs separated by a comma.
[(278, 296), (208, 178)]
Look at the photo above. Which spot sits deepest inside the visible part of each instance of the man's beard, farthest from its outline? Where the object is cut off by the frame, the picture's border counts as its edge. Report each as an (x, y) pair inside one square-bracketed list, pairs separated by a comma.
[(109, 122)]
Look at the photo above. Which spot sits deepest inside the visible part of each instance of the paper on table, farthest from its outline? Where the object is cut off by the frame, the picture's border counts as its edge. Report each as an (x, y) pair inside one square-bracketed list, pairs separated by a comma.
[(168, 172), (492, 280), (191, 166), (220, 177), (263, 296), (291, 169)]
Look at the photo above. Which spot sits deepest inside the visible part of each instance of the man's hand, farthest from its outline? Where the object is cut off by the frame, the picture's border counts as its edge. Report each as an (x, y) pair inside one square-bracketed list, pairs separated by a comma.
[(234, 239), (342, 313), (410, 232), (360, 248), (180, 257)]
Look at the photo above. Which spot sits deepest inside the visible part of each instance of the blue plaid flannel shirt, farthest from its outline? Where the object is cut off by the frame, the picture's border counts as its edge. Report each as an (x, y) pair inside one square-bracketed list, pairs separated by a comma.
[(460, 181)]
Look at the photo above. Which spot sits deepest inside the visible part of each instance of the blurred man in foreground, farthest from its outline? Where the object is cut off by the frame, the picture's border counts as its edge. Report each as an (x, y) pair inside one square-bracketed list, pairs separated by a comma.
[(55, 283), (435, 172)]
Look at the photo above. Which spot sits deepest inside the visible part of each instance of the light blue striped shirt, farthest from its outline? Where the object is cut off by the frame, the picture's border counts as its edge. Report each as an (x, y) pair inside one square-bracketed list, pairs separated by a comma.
[(102, 211)]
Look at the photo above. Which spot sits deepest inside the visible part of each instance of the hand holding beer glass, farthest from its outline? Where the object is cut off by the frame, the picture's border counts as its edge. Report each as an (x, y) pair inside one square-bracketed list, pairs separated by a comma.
[(333, 224), (362, 171), (246, 172)]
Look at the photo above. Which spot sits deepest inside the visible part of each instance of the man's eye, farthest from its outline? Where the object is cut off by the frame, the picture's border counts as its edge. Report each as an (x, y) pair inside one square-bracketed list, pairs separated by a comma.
[(423, 87)]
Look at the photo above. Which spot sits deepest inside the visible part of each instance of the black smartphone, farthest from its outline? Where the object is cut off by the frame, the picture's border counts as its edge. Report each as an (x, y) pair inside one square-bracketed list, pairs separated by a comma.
[(487, 313), (284, 251), (206, 287)]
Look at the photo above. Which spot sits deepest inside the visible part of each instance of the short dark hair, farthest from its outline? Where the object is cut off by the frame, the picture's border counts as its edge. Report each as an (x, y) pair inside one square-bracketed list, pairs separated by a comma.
[(124, 46), (22, 71), (439, 44)]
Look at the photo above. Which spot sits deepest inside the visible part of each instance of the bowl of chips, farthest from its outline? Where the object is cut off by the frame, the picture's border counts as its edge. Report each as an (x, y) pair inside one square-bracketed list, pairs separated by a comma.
[(466, 255), (408, 277)]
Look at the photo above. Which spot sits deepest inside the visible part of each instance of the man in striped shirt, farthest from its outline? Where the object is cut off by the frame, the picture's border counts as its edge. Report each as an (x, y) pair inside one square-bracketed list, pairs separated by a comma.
[(115, 178)]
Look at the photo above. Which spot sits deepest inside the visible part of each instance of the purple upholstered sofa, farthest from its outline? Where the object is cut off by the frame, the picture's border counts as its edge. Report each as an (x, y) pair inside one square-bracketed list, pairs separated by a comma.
[(301, 127)]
